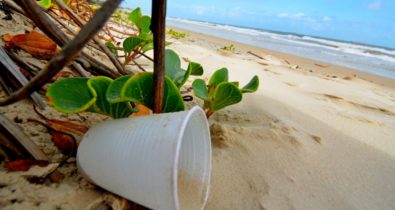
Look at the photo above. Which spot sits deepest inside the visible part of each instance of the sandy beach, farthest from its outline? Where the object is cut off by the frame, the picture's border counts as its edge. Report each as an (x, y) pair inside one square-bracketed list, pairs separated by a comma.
[(314, 136)]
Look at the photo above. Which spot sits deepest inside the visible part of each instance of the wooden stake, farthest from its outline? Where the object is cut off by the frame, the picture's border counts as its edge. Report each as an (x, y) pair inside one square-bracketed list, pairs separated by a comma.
[(158, 27)]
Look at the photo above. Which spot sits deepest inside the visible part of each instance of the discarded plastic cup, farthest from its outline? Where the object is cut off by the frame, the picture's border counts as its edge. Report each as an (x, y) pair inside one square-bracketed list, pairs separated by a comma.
[(161, 161)]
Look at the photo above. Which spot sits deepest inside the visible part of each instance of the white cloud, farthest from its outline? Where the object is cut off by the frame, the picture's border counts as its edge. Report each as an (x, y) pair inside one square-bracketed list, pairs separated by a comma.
[(287, 15), (284, 14), (374, 5), (298, 15), (200, 10), (233, 12), (326, 19)]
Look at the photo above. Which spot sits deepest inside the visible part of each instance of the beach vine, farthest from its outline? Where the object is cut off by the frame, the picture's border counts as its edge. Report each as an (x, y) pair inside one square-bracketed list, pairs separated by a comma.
[(124, 95)]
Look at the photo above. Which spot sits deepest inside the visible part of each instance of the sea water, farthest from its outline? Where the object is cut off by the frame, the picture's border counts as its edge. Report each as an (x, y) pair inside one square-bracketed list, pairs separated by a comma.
[(363, 57)]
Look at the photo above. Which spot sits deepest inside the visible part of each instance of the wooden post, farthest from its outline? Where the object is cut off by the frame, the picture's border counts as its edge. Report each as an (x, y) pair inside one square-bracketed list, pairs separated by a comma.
[(158, 27)]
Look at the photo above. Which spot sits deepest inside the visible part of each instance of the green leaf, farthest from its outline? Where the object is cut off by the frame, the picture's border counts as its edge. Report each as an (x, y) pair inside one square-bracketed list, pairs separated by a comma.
[(174, 70), (146, 37), (147, 47), (144, 24), (112, 48), (150, 45), (196, 69), (113, 93), (135, 15), (172, 99), (225, 95), (200, 89), (71, 95), (46, 4), (139, 89), (100, 85), (130, 43), (252, 86), (172, 64), (181, 77), (221, 75), (236, 83)]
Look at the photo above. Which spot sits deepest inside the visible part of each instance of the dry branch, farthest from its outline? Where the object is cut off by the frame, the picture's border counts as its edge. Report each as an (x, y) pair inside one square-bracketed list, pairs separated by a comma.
[(15, 135), (103, 47), (11, 74), (33, 69), (41, 19), (13, 131), (69, 52)]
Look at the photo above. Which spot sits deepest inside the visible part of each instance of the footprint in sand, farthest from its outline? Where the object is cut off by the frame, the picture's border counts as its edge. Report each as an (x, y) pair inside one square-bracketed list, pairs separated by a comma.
[(362, 118), (292, 84), (228, 129), (316, 139)]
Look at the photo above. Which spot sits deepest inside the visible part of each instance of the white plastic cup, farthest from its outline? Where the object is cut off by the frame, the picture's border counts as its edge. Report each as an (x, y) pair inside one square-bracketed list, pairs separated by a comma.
[(160, 161)]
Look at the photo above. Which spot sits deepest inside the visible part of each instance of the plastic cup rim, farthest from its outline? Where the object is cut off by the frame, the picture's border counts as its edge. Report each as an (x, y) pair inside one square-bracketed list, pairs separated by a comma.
[(177, 156)]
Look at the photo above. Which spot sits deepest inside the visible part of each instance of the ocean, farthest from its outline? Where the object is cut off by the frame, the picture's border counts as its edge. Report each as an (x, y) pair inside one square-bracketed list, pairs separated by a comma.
[(363, 57)]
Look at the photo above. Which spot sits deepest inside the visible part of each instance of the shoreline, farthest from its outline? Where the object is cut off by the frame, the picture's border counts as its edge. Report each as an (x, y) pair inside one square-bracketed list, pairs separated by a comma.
[(323, 68)]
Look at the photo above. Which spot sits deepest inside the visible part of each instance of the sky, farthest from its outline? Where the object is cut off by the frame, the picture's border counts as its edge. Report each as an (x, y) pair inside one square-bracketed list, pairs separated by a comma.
[(364, 21)]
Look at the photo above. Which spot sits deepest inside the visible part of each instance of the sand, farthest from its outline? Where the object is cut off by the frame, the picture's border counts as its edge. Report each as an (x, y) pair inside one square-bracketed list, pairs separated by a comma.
[(312, 137), (306, 140)]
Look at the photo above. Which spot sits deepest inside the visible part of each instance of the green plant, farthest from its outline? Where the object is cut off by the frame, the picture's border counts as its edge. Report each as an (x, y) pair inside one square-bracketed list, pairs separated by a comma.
[(118, 98), (176, 35), (142, 22), (174, 71), (115, 98), (142, 42), (219, 93), (230, 48)]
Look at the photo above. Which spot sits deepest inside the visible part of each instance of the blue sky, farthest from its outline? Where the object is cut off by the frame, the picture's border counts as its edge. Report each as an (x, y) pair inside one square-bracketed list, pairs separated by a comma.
[(366, 21)]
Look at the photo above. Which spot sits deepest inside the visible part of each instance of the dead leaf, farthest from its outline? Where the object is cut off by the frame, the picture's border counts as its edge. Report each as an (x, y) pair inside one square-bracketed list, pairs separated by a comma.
[(60, 125), (7, 37), (24, 164), (18, 165), (64, 126), (143, 111), (65, 142), (34, 43)]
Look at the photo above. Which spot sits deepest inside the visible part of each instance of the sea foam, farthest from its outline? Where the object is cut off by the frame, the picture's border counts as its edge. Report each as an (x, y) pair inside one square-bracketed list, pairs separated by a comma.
[(372, 59)]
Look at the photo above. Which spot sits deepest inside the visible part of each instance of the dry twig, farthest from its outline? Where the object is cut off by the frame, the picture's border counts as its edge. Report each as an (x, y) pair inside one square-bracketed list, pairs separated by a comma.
[(80, 23), (69, 52), (41, 19)]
